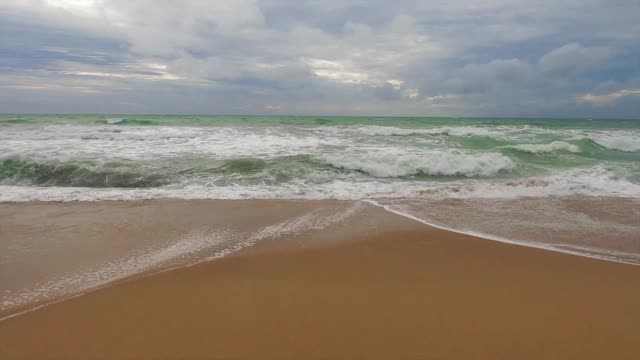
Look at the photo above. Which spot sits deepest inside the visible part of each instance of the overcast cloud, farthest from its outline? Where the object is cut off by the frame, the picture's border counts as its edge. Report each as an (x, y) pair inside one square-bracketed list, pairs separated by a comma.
[(530, 58)]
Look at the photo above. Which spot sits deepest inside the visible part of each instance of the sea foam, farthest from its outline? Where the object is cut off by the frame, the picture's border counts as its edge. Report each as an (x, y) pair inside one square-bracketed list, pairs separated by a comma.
[(546, 148), (628, 143), (434, 164)]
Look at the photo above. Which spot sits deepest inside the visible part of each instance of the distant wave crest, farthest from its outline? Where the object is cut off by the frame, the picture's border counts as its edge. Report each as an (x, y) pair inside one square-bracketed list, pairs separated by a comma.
[(376, 130)]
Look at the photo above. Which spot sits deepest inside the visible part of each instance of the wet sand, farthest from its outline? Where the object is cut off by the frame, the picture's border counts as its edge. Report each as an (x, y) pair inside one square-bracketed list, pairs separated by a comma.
[(396, 290), (51, 250)]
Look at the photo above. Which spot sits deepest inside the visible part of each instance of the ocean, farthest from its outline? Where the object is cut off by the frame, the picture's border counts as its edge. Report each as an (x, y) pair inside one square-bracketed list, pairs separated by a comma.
[(82, 158)]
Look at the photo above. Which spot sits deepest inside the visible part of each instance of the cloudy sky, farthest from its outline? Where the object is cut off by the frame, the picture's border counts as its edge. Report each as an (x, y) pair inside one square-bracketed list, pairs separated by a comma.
[(531, 58)]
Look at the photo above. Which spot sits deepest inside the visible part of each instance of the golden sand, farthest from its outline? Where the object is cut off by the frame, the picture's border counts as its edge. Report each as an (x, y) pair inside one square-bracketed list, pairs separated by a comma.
[(409, 292)]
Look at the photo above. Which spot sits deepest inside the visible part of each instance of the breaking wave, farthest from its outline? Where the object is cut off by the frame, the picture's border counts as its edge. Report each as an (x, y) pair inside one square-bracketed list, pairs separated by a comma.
[(376, 130), (595, 181), (438, 164), (546, 148), (627, 143), (71, 173)]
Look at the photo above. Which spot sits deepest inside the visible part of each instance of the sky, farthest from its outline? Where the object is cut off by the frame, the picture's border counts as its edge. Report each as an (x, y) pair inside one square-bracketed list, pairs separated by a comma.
[(503, 58)]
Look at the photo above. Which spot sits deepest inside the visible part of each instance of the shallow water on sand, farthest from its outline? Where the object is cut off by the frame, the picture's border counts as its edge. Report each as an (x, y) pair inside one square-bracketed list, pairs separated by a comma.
[(52, 250), (604, 228)]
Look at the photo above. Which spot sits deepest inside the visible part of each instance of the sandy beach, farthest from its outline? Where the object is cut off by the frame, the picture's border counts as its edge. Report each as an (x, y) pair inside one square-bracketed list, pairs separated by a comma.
[(319, 180), (385, 287)]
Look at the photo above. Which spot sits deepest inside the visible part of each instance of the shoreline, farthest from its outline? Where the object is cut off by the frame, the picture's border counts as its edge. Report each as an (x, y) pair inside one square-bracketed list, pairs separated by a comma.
[(609, 256), (387, 287), (587, 252)]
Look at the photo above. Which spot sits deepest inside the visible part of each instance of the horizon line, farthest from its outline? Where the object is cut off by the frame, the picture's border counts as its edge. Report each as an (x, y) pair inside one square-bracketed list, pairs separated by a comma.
[(334, 116)]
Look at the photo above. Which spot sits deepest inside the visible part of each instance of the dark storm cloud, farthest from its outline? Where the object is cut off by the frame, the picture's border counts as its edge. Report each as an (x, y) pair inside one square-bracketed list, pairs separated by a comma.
[(488, 58)]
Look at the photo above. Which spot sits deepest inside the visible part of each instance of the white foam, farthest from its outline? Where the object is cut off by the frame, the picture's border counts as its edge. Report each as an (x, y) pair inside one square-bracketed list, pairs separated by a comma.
[(547, 148), (596, 181), (103, 143), (444, 163), (377, 130), (622, 142), (317, 219), (115, 269)]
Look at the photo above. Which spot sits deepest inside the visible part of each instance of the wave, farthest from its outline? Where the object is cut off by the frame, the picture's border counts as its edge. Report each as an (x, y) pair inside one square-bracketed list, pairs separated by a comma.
[(136, 122), (627, 143), (240, 171), (16, 170), (546, 148), (242, 166), (596, 181), (376, 130), (437, 164), (16, 121), (270, 171)]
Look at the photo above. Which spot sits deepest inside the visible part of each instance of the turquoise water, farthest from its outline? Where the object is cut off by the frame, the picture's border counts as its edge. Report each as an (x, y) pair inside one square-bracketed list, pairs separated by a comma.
[(321, 157)]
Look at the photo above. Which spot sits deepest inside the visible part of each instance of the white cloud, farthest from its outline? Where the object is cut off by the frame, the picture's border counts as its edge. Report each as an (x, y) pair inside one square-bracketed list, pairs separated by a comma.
[(611, 98), (411, 93), (76, 7), (133, 71), (337, 71), (440, 98)]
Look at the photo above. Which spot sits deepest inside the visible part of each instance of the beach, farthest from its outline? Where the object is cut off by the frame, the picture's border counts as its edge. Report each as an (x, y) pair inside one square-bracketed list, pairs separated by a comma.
[(371, 285), (318, 180)]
